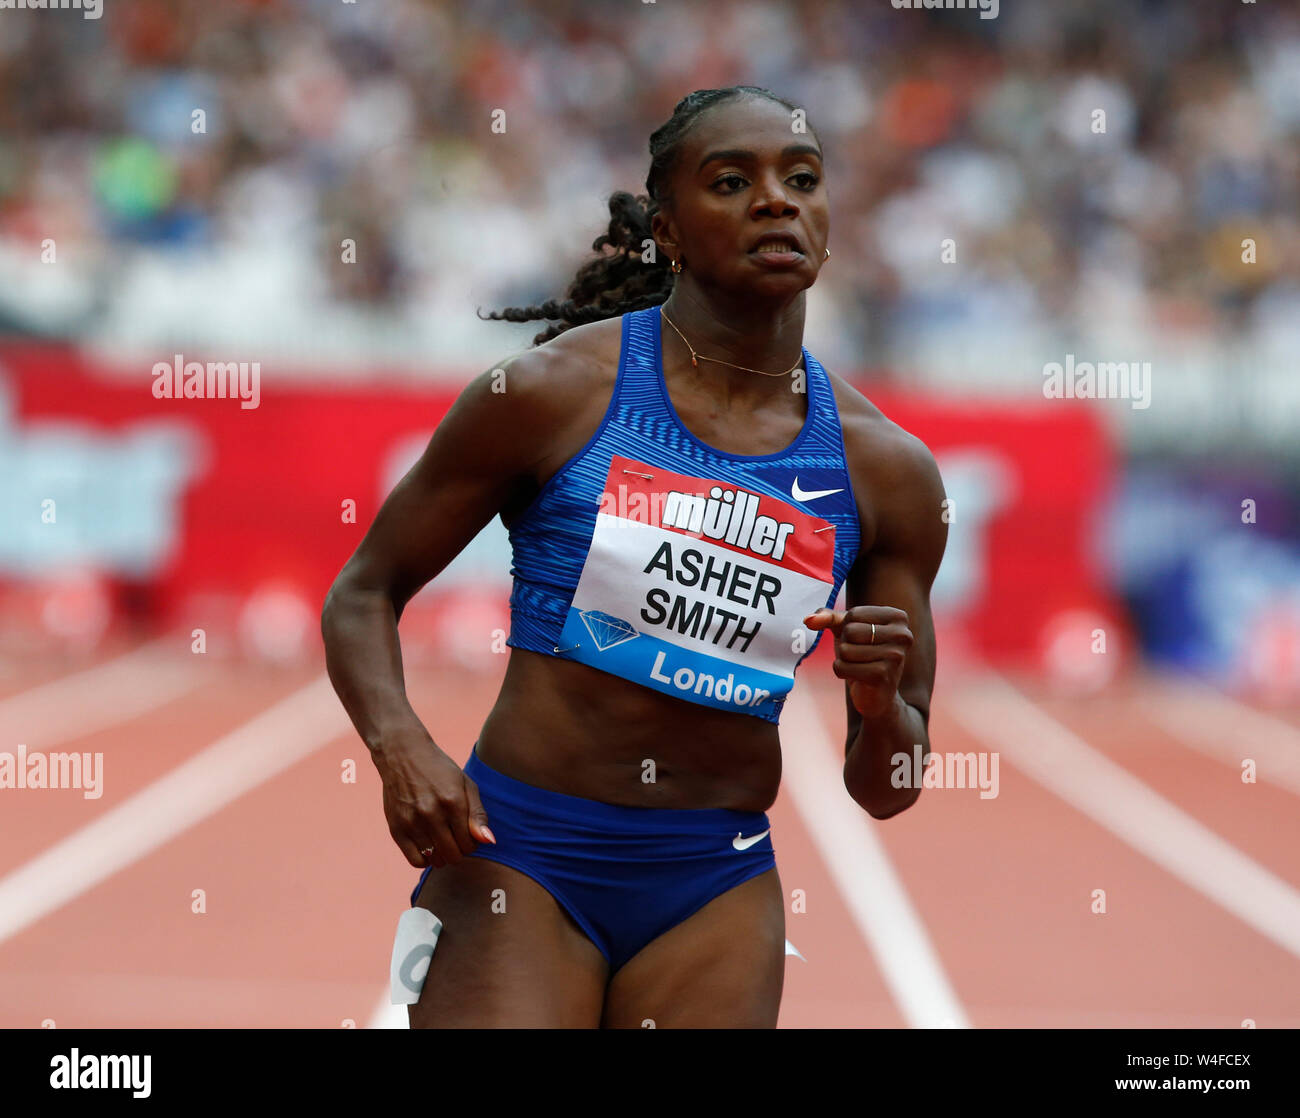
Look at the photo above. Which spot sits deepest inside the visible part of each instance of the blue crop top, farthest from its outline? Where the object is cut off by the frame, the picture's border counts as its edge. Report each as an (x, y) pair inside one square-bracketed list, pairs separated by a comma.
[(655, 557)]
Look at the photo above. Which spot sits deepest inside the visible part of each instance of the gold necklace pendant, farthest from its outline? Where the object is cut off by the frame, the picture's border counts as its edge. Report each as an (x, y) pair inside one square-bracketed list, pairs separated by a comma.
[(719, 361)]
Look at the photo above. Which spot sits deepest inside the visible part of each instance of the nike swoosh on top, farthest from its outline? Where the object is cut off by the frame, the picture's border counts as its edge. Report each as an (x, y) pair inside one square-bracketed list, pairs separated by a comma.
[(745, 843), (810, 495)]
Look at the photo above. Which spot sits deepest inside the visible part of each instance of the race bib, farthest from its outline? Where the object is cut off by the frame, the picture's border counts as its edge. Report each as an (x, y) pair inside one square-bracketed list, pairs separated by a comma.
[(698, 588)]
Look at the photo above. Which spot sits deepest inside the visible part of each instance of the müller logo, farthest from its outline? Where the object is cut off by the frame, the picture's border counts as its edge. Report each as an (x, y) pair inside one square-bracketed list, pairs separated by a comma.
[(730, 515)]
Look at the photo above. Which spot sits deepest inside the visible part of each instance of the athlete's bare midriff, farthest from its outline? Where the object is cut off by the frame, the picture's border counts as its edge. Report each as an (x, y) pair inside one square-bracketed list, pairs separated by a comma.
[(578, 730)]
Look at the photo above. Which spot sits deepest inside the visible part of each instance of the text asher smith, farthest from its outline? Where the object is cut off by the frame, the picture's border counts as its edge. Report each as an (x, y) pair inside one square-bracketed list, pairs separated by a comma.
[(735, 582)]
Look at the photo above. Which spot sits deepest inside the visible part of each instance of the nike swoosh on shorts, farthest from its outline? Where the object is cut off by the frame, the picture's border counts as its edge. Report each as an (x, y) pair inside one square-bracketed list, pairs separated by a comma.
[(745, 843)]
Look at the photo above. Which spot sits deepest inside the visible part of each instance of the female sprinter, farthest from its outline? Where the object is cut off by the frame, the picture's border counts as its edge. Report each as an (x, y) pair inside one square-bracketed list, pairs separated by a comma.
[(685, 486)]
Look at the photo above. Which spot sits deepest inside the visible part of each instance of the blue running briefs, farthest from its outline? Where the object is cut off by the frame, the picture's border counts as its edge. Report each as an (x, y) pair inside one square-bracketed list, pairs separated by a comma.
[(625, 874)]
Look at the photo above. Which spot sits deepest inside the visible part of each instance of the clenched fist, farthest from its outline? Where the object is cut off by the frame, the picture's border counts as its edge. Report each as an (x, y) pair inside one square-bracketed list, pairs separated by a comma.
[(871, 644)]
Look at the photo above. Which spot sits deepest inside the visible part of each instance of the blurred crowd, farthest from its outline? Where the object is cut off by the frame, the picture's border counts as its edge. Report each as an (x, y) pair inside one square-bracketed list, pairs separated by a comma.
[(183, 171)]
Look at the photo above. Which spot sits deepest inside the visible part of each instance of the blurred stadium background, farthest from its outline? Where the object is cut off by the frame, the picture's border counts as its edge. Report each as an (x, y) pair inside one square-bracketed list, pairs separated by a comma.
[(1087, 181)]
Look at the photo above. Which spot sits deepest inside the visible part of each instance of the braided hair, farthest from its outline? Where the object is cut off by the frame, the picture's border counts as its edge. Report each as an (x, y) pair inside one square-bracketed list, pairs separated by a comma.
[(614, 284)]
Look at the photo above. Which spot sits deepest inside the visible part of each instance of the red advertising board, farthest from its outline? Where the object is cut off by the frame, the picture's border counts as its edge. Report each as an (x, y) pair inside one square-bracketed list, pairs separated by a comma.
[(183, 502)]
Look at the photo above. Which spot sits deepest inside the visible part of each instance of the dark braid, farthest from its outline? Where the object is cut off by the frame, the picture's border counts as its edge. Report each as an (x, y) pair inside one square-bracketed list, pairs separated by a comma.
[(618, 282)]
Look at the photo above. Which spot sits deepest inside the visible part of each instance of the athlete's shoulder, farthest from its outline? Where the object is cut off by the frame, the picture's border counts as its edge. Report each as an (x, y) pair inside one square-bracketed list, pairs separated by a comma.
[(895, 474), (876, 441)]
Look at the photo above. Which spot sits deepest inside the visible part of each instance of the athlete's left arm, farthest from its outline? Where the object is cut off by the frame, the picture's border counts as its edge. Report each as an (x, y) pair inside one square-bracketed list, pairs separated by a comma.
[(889, 679)]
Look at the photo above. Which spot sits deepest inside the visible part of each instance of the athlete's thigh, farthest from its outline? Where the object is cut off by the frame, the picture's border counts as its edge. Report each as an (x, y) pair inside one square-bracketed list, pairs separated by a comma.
[(721, 968), (508, 954)]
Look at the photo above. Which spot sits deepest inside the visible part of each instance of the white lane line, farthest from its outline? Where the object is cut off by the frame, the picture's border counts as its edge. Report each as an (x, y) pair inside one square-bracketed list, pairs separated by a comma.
[(1063, 763), (859, 864), (1226, 730), (96, 698), (231, 766), (386, 1015)]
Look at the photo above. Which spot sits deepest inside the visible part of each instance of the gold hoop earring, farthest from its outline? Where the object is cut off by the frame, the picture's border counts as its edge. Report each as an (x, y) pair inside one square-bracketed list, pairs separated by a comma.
[(677, 266), (828, 254)]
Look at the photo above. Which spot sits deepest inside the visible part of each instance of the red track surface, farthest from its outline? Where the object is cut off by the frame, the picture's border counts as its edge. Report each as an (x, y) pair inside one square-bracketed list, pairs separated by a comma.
[(303, 885)]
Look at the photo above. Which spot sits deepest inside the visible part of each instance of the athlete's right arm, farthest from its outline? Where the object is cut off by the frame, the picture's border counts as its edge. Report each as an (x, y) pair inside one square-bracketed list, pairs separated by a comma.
[(486, 452)]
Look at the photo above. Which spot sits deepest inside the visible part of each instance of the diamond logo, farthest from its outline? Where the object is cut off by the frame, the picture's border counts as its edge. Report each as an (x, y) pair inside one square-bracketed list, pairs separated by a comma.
[(606, 629)]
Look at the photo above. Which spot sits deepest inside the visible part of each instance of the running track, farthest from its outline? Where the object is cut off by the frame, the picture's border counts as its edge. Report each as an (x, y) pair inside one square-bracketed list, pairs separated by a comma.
[(964, 911)]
